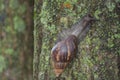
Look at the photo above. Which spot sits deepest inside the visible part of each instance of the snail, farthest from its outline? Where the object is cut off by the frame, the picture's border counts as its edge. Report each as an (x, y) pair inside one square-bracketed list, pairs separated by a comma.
[(66, 47)]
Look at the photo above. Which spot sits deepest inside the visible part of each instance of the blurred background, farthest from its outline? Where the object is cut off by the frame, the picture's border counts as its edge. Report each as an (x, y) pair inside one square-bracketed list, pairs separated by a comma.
[(16, 39)]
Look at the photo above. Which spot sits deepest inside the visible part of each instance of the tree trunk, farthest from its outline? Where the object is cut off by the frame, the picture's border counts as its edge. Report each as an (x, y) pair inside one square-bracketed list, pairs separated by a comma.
[(26, 40), (118, 54), (92, 61), (37, 41)]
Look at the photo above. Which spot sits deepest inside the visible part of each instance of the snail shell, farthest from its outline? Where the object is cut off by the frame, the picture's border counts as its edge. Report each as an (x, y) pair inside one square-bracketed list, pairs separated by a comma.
[(66, 48), (63, 53)]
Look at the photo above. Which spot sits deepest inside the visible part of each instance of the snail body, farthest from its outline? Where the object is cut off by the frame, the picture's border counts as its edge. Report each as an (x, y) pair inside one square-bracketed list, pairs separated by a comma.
[(67, 46)]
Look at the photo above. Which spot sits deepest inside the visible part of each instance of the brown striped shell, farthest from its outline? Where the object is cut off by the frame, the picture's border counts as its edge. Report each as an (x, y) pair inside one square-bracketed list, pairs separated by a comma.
[(62, 54)]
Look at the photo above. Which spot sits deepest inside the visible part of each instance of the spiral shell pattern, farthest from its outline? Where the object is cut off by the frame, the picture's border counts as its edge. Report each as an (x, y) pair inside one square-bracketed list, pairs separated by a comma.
[(63, 53)]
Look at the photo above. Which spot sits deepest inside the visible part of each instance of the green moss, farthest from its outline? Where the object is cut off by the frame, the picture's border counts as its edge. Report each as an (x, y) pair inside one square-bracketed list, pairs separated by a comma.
[(101, 39)]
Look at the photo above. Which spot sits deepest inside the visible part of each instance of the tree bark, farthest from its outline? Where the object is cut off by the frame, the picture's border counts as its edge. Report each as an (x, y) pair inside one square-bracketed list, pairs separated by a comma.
[(26, 40), (118, 54), (37, 41)]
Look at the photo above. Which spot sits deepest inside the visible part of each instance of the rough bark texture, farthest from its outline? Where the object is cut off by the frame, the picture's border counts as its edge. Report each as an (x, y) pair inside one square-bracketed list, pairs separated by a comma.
[(96, 59), (118, 56), (37, 41)]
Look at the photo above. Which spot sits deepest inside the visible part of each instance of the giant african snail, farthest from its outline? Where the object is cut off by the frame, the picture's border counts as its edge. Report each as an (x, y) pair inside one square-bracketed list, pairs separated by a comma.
[(67, 46)]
